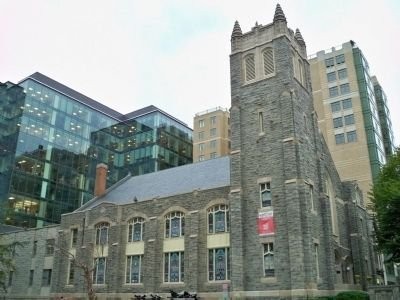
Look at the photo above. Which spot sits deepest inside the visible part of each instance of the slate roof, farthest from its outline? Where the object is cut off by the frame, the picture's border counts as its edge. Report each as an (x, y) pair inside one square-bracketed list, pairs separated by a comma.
[(209, 174)]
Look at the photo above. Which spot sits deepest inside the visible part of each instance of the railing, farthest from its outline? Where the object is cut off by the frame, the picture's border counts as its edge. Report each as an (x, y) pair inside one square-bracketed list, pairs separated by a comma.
[(211, 110)]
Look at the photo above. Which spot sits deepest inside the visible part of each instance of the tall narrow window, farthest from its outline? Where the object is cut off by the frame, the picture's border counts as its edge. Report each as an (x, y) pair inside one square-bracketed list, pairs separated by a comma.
[(265, 194), (99, 270), (218, 264), (10, 278), (301, 72), (250, 69), (174, 267), (268, 56), (134, 269), (136, 228), (34, 249), (74, 237), (50, 246), (316, 257), (46, 277), (174, 224), (269, 265), (102, 233), (31, 275), (218, 219), (311, 195), (260, 122), (71, 274)]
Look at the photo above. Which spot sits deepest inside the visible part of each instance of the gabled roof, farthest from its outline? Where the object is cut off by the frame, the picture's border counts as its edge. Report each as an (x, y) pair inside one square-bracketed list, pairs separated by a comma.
[(205, 175)]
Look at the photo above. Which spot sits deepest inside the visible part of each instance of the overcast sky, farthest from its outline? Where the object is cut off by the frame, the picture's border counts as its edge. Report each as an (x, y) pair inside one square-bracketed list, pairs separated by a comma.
[(128, 54)]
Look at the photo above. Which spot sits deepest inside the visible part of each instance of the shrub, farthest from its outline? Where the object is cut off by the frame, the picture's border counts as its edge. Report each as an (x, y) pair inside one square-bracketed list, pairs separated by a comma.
[(352, 295)]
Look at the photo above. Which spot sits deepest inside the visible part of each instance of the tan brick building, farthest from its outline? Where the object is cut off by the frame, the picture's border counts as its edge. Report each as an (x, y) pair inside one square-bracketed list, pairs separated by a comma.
[(211, 134)]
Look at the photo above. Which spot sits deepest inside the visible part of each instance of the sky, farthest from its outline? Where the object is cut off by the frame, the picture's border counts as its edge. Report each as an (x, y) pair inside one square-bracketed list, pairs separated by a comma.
[(174, 54)]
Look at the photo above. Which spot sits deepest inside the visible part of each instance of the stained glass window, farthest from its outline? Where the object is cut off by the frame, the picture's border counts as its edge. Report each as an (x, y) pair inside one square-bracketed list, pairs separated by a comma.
[(136, 228), (174, 267), (218, 264), (133, 269), (102, 233), (218, 219), (174, 224)]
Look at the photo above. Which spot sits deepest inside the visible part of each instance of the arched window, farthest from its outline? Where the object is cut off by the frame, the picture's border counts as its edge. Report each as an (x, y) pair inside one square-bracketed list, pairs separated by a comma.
[(102, 233), (250, 68), (218, 219), (174, 224), (268, 57), (136, 229)]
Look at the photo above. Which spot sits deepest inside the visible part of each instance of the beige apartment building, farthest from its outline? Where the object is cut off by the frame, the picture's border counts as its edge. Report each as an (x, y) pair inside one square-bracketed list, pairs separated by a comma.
[(211, 134), (349, 113)]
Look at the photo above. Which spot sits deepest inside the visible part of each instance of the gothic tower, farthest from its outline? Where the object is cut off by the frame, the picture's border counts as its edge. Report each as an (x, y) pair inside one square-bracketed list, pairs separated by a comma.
[(280, 220)]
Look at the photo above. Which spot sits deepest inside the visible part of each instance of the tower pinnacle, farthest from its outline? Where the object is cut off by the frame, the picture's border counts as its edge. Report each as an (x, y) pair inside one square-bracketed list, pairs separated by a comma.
[(279, 15), (299, 37), (237, 31)]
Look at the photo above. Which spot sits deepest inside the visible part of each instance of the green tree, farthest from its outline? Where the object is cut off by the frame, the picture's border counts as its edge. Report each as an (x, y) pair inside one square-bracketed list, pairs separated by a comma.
[(386, 204), (7, 252)]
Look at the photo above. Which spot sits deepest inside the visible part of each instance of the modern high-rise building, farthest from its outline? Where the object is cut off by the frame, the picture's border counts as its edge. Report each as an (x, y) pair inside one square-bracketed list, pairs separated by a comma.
[(384, 118), (53, 137), (211, 134), (352, 114)]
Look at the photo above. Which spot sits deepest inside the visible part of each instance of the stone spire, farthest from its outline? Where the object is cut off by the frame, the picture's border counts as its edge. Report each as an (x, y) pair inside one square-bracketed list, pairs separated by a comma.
[(279, 15), (237, 31), (299, 37)]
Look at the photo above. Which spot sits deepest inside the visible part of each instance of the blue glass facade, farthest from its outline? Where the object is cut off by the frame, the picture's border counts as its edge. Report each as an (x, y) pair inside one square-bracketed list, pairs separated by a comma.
[(59, 136)]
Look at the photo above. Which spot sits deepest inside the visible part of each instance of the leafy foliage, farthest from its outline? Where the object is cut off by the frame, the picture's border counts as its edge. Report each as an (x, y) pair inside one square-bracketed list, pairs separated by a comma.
[(7, 252), (352, 295), (386, 200)]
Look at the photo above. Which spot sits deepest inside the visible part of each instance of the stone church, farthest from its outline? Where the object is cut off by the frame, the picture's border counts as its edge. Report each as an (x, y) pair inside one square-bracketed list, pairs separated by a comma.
[(270, 221)]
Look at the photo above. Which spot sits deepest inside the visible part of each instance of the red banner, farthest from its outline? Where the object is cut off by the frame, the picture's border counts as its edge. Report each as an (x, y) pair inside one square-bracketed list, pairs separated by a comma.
[(266, 224)]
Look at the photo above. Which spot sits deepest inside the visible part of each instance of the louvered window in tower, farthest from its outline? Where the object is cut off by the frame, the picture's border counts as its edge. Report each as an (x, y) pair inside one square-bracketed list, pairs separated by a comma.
[(250, 71), (268, 56)]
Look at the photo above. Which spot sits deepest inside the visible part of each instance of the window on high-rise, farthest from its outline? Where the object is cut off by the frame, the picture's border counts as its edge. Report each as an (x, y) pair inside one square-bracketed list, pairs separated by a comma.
[(268, 56), (342, 73), (339, 138), (213, 131), (213, 144), (331, 76), (340, 59), (349, 119), (213, 120), (344, 88), (337, 122), (351, 136), (250, 69), (201, 135), (329, 62), (201, 147), (346, 103), (335, 106), (333, 91), (201, 123)]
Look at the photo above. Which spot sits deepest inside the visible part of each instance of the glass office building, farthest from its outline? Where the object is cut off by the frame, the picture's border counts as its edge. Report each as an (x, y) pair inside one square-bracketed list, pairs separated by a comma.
[(56, 137)]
